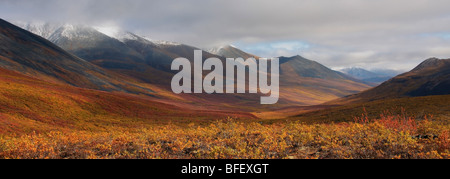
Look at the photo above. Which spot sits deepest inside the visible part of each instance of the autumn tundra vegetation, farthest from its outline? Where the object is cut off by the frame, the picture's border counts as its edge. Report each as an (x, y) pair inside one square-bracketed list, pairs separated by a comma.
[(110, 98), (44, 120), (393, 136)]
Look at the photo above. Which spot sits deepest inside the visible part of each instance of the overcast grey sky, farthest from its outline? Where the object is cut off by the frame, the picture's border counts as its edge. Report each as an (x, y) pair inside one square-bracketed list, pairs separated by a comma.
[(396, 34)]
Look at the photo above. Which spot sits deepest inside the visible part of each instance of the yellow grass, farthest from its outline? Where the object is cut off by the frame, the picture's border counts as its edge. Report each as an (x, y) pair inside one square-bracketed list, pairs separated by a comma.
[(386, 137)]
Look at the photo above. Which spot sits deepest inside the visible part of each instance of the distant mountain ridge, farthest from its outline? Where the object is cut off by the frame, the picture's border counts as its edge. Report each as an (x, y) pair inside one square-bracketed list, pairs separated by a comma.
[(359, 73), (431, 77), (376, 76)]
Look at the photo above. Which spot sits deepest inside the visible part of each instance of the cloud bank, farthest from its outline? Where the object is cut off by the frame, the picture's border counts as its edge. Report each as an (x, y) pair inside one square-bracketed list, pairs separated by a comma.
[(338, 33)]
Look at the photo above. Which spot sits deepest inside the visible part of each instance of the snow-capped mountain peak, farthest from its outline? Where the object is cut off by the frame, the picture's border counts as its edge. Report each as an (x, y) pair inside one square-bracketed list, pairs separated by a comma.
[(71, 31), (125, 35), (55, 31), (231, 51), (42, 29)]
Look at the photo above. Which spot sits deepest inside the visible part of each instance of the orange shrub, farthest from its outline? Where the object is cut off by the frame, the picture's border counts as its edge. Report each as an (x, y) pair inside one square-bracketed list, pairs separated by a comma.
[(390, 136)]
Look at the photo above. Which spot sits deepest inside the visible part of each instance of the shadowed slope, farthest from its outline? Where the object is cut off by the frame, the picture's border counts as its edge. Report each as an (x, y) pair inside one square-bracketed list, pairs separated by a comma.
[(30, 54)]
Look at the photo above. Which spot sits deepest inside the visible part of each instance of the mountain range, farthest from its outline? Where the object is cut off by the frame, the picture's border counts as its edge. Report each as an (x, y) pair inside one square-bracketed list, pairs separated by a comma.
[(129, 64), (372, 76), (302, 81)]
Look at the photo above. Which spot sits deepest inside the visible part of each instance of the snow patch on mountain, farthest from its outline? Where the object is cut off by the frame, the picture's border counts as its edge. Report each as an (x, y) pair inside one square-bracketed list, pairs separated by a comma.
[(71, 31), (56, 31), (125, 35), (42, 29), (218, 50), (165, 43)]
